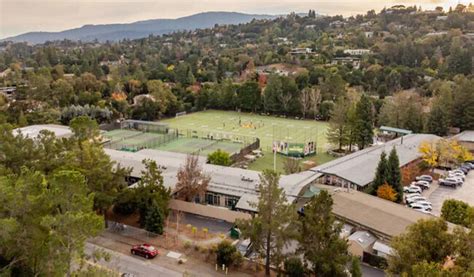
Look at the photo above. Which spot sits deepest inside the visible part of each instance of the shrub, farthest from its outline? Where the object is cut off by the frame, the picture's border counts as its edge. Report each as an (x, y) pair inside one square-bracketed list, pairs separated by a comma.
[(154, 219), (226, 253), (219, 157), (187, 245), (294, 267)]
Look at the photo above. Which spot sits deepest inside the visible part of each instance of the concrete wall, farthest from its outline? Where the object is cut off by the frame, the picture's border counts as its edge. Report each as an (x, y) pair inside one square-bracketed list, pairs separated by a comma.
[(355, 249), (221, 213)]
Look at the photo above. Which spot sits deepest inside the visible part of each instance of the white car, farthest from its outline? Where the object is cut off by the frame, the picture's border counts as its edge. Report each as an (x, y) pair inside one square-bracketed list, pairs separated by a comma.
[(457, 175), (427, 205), (412, 189), (419, 208), (415, 199), (409, 195), (422, 184), (457, 172)]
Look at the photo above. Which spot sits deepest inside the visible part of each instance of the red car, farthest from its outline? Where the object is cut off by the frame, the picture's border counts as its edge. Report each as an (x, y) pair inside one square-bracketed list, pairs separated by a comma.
[(145, 250)]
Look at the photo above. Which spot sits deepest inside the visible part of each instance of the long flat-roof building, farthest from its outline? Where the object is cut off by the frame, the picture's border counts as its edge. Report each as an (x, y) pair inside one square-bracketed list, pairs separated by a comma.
[(357, 170)]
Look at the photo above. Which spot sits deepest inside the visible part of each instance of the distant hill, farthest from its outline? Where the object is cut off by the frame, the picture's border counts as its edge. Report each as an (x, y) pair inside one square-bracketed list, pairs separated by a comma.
[(139, 29)]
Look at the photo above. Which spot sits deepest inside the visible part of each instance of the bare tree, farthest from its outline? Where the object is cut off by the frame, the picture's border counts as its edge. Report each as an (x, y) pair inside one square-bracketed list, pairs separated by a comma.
[(315, 96), (192, 181), (285, 99), (305, 100), (291, 165)]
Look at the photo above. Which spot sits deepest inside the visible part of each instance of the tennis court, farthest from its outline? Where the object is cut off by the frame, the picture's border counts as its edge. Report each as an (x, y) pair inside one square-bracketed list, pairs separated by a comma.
[(120, 134), (203, 146), (266, 128)]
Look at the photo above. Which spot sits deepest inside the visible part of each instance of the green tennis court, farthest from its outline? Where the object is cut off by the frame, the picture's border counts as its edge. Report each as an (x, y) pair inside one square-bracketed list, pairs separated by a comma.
[(203, 146), (120, 134)]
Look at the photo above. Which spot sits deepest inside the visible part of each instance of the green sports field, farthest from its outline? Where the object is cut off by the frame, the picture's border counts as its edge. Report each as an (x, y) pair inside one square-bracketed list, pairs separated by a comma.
[(266, 128)]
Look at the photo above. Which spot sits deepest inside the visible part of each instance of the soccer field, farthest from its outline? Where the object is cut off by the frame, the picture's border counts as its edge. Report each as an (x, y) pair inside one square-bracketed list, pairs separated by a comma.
[(266, 128)]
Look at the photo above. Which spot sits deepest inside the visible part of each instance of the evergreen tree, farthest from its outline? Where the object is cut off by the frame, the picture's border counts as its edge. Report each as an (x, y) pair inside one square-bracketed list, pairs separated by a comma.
[(272, 228), (319, 239), (364, 122), (355, 268), (394, 177), (380, 173), (154, 219)]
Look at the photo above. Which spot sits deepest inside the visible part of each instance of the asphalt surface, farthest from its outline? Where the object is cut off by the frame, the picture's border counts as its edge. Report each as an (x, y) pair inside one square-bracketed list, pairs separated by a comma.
[(128, 264), (368, 271), (463, 193), (213, 225)]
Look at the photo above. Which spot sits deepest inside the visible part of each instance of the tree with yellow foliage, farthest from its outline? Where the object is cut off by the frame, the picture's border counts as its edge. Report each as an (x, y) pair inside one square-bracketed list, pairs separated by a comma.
[(386, 191), (429, 153), (444, 152)]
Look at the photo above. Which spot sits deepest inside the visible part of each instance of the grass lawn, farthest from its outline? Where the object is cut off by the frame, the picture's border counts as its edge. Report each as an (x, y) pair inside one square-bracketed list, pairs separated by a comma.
[(266, 128)]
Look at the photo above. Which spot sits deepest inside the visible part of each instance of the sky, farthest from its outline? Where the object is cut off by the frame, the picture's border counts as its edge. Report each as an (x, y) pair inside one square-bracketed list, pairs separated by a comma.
[(20, 16)]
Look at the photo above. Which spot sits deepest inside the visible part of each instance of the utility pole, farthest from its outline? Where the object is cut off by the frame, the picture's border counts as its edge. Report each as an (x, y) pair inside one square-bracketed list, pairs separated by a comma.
[(274, 149)]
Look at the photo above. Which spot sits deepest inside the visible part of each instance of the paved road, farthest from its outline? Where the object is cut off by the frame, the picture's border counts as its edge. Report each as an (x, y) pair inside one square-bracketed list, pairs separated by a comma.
[(135, 265), (368, 271)]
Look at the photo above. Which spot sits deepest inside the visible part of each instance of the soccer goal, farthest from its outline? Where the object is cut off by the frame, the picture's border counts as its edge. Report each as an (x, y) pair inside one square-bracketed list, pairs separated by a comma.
[(180, 114)]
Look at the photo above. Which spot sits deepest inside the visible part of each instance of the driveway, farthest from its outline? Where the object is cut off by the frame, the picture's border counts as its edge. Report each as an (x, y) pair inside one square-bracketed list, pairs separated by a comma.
[(440, 194)]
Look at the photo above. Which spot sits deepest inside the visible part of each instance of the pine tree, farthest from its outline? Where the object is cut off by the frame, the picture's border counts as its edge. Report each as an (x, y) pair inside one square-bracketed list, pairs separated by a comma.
[(355, 267), (381, 173), (394, 176), (319, 239), (364, 122), (154, 219)]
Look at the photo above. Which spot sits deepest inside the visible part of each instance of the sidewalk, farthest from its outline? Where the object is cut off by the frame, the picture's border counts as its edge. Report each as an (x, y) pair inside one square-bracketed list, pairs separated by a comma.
[(193, 266)]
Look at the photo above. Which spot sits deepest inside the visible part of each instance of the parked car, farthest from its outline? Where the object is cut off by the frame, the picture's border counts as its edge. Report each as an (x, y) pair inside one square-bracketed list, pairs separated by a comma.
[(426, 178), (457, 179), (145, 250), (456, 174), (412, 189), (425, 204), (415, 199), (448, 182), (420, 208), (410, 195), (422, 184), (465, 169), (467, 164)]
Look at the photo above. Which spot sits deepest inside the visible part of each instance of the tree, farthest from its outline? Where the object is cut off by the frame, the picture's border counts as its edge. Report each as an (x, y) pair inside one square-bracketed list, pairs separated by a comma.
[(426, 240), (364, 122), (394, 177), (319, 239), (457, 212), (249, 96), (154, 219), (429, 153), (463, 114), (305, 100), (219, 157), (338, 132), (294, 267), (227, 254), (380, 173), (386, 191), (291, 165), (46, 220), (439, 118), (271, 229), (148, 193), (315, 96), (192, 182), (355, 267)]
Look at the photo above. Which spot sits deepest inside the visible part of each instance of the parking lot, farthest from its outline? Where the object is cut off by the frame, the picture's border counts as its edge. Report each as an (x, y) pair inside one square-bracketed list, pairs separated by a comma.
[(437, 194)]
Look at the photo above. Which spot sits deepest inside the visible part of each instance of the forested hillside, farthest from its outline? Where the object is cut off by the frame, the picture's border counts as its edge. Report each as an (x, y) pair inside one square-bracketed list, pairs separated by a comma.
[(415, 67)]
